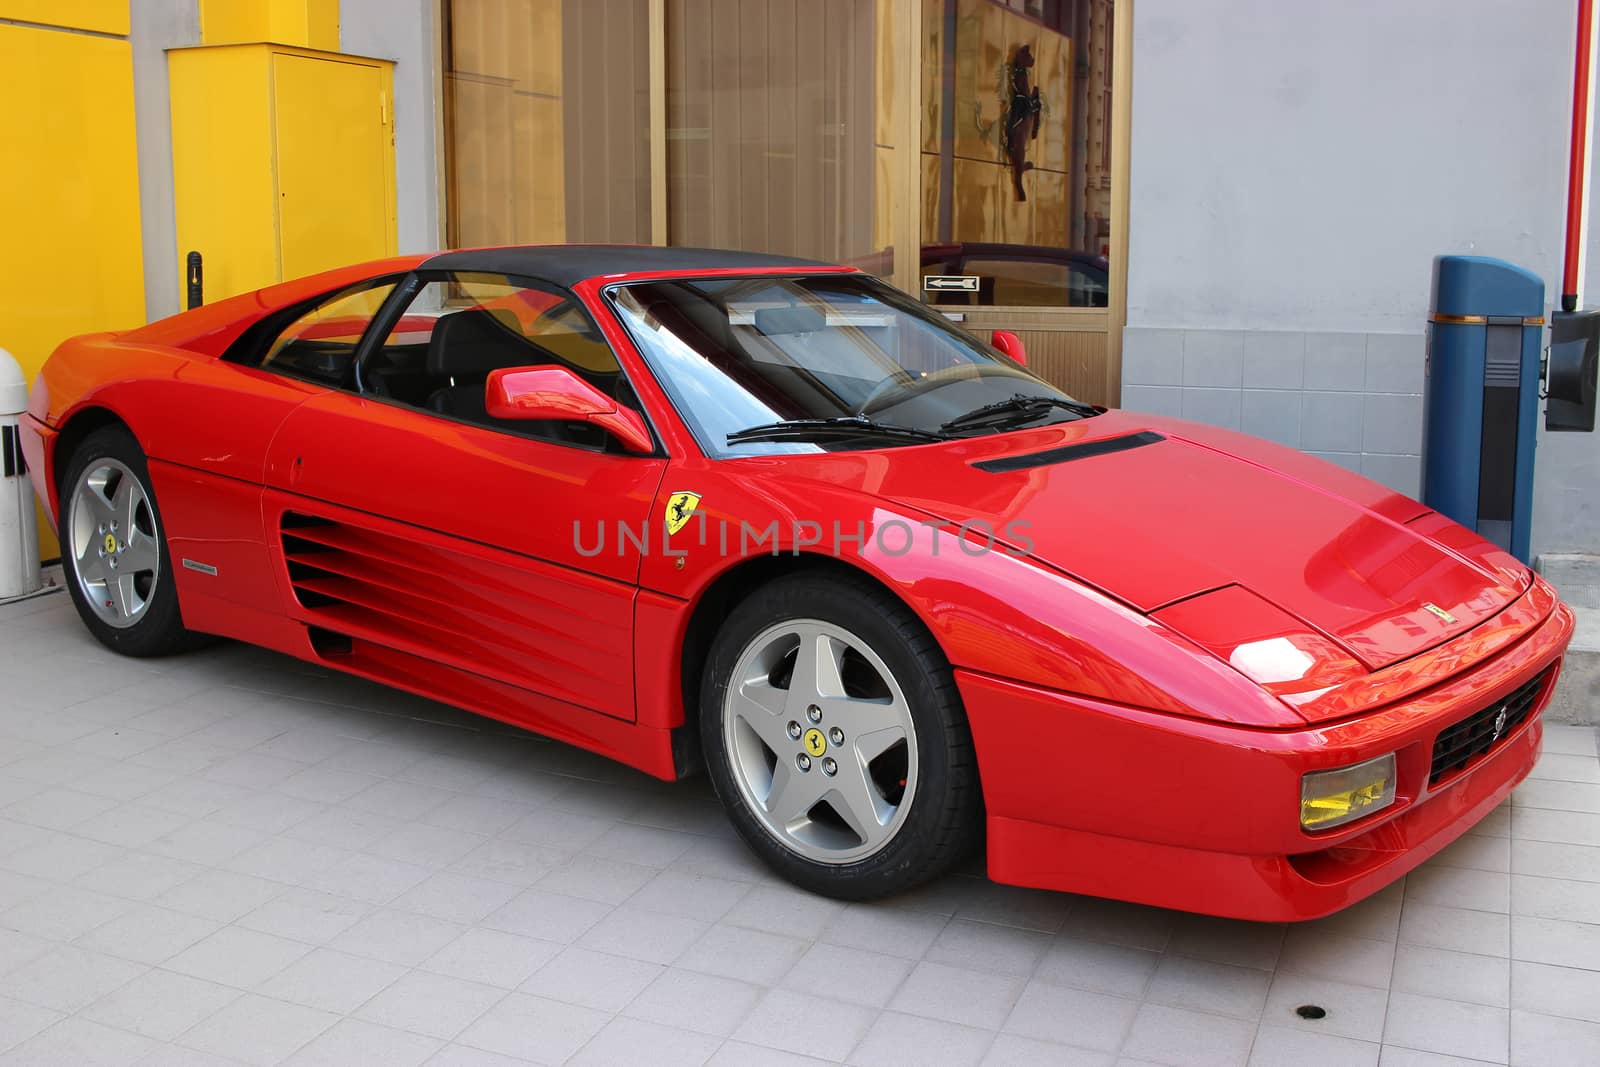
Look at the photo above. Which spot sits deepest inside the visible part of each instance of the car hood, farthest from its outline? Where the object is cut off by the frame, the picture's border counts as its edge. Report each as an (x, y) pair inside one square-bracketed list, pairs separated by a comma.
[(1155, 511)]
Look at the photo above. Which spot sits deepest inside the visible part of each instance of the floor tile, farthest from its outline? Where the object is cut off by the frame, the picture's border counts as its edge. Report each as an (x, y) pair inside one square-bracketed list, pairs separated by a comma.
[(325, 871), (1280, 1046), (237, 957), (147, 933), (654, 937), (986, 947), (626, 1042), (592, 979), (1548, 1041), (535, 1029), (160, 1004), (779, 1021), (331, 981), (1243, 944), (80, 1043), (67, 978), (1012, 1050), (895, 1039), (1453, 975), (867, 978), (1458, 929), (1351, 1010), (1557, 941), (492, 957), (1447, 1026), (353, 1043), (1072, 1017), (258, 1030), (750, 955), (955, 994), (433, 1004), (20, 1020), (1099, 966), (1549, 990), (1164, 1034), (397, 936), (703, 1003)]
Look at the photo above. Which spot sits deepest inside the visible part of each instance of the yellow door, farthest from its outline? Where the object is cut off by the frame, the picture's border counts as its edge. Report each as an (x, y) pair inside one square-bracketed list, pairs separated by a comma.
[(335, 141)]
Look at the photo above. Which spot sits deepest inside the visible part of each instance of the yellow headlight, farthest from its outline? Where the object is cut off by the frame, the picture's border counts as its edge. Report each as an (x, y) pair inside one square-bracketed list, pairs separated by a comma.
[(1332, 798)]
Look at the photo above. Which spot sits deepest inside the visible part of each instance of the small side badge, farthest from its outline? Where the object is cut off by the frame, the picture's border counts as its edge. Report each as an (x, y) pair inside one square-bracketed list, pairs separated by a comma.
[(680, 506), (203, 568), (1443, 615)]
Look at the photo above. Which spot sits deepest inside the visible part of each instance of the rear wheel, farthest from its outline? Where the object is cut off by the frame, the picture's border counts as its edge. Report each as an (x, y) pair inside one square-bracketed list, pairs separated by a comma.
[(113, 551), (835, 738)]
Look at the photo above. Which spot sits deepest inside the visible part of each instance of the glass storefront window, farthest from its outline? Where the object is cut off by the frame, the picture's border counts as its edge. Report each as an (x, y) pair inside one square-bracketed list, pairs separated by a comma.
[(779, 127), (547, 121), (778, 136), (1016, 156), (799, 127)]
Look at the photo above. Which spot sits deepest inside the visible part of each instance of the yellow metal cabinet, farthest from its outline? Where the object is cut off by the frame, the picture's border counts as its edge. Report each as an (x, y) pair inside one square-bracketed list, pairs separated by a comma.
[(283, 161)]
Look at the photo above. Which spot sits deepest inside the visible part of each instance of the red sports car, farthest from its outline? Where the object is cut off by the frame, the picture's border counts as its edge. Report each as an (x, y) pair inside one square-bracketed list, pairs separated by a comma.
[(775, 519)]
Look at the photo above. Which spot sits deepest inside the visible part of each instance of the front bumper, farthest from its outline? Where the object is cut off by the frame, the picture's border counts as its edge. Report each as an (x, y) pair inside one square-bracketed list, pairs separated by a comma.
[(1089, 797)]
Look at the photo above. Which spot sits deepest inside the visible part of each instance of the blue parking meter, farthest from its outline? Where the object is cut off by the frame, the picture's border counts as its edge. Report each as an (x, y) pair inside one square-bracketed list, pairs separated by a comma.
[(1482, 396)]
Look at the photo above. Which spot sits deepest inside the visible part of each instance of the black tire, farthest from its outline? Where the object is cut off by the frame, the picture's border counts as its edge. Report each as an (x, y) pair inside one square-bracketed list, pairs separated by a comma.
[(159, 631), (944, 821)]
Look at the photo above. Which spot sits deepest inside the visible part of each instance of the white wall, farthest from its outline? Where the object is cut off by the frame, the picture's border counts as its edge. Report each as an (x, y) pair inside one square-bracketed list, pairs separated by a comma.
[(404, 31), (155, 26), (1297, 164), (1295, 168)]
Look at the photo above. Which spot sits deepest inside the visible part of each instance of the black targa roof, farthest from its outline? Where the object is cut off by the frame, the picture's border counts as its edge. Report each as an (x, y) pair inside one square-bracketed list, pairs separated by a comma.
[(566, 265)]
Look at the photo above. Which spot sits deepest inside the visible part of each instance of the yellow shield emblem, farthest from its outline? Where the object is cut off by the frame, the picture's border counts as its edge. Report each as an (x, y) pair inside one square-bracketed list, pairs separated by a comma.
[(679, 507)]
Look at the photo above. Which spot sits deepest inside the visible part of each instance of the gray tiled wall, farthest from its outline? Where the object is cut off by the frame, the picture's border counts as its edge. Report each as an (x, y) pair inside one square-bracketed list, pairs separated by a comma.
[(1352, 398)]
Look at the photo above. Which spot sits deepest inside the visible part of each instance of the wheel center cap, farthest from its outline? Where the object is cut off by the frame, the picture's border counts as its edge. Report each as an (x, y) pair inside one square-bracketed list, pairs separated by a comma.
[(111, 544), (815, 743)]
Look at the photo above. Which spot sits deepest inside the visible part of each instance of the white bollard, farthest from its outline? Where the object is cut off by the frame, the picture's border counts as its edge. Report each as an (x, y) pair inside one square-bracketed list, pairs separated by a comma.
[(19, 529)]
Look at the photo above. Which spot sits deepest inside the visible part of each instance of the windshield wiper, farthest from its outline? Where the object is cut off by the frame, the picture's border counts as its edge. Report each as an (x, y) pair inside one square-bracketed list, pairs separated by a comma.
[(1019, 407), (837, 426)]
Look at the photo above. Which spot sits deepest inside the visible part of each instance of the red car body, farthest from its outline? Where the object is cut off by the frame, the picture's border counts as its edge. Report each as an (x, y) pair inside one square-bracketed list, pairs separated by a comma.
[(1122, 747)]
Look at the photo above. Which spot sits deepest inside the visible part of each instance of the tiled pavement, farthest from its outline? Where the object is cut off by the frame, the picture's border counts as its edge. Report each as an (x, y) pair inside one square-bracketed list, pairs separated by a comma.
[(231, 857)]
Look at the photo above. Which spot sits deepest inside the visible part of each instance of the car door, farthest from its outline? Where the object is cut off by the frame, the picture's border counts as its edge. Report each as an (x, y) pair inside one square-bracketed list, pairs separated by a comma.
[(207, 434), (404, 516)]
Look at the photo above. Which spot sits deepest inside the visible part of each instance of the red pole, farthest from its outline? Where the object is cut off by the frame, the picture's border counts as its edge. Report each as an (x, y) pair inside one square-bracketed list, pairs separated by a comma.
[(1578, 157)]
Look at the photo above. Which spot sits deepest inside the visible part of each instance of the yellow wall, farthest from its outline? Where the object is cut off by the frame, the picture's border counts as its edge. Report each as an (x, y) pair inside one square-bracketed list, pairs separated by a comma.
[(282, 160), (69, 190), (103, 16), (306, 23)]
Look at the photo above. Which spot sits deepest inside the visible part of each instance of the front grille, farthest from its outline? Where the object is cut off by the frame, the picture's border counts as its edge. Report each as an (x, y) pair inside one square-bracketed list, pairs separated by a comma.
[(1470, 738)]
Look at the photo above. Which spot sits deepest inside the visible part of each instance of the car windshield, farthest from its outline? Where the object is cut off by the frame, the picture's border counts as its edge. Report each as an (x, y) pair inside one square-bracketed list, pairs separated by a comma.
[(806, 363)]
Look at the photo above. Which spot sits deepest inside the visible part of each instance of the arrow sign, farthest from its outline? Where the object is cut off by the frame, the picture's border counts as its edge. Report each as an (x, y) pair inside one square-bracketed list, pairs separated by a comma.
[(945, 282)]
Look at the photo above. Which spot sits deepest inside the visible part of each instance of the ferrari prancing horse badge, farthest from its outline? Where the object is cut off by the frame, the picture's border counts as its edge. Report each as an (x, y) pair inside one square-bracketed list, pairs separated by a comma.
[(680, 506)]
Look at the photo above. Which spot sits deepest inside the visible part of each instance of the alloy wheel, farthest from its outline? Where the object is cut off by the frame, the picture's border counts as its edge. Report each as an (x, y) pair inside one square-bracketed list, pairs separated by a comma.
[(820, 739)]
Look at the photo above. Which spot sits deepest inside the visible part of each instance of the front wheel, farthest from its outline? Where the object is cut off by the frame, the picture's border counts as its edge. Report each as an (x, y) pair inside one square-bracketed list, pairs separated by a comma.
[(113, 551), (836, 740)]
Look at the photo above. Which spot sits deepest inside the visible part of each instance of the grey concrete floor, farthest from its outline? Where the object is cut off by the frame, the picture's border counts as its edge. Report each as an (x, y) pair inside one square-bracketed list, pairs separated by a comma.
[(232, 857)]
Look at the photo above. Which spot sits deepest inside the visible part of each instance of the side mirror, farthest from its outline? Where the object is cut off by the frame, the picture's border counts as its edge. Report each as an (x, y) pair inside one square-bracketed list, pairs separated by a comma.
[(555, 392), (1010, 345)]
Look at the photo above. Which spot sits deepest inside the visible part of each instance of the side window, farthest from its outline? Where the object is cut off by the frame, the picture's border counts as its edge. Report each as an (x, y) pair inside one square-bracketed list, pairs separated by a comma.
[(320, 345), (461, 326)]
